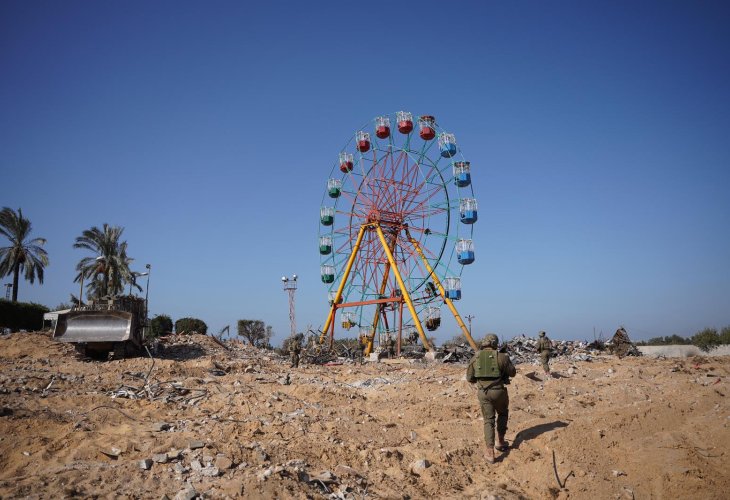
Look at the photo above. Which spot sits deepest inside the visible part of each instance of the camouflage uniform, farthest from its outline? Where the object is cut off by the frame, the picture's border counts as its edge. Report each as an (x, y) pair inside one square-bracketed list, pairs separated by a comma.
[(544, 347), (362, 344), (391, 347), (295, 347), (493, 396)]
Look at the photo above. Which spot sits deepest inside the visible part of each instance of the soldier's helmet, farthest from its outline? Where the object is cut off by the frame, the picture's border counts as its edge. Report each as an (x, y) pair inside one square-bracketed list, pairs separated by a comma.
[(542, 334), (490, 340)]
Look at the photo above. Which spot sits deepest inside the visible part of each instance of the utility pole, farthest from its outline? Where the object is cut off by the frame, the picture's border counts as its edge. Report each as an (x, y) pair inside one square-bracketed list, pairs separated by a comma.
[(469, 318), (147, 295), (290, 286)]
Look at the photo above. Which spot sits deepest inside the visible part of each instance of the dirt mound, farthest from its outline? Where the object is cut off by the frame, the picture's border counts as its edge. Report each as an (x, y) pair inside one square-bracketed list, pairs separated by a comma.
[(237, 422)]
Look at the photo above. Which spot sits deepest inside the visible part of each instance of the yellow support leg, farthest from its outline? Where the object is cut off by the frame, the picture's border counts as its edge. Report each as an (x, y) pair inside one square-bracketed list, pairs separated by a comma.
[(447, 300), (338, 296), (402, 286), (376, 318)]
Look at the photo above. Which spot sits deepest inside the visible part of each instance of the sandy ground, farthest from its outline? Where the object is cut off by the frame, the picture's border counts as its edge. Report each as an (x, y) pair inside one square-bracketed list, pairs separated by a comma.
[(630, 428)]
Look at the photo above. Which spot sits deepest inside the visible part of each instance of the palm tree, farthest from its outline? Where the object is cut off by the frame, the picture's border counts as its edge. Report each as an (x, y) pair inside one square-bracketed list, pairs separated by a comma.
[(109, 268), (133, 281), (23, 255)]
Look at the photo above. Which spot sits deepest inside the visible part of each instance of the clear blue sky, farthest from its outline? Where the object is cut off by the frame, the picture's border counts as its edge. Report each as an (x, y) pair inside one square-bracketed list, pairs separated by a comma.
[(599, 136)]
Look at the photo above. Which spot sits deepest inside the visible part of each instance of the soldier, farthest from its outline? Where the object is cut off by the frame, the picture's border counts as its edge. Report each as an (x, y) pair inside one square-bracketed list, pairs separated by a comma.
[(362, 345), (390, 344), (490, 371), (545, 347), (295, 347)]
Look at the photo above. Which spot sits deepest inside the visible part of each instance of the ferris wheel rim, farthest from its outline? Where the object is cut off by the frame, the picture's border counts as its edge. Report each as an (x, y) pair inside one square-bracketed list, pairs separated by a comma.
[(407, 146)]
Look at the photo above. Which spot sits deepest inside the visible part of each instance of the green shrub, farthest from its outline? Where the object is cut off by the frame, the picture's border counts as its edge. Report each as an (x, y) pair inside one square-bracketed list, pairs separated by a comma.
[(725, 335), (255, 331), (160, 325), (190, 325), (706, 339), (21, 315), (671, 340)]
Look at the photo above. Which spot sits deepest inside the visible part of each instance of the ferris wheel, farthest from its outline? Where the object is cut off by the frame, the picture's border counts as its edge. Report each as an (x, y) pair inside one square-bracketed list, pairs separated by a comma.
[(395, 232)]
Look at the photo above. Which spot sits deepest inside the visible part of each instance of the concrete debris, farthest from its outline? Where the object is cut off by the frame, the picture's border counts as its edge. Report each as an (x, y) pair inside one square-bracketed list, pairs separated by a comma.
[(112, 452), (167, 392), (346, 470), (266, 473), (197, 444), (324, 477), (297, 462), (412, 351), (371, 382), (222, 462), (210, 471), (145, 464), (455, 353), (187, 346), (621, 344), (187, 493), (523, 349), (419, 466)]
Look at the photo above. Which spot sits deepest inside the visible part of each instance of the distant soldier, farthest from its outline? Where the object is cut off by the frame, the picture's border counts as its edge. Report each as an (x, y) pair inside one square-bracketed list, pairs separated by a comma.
[(295, 348), (545, 348), (490, 371), (362, 345), (390, 344)]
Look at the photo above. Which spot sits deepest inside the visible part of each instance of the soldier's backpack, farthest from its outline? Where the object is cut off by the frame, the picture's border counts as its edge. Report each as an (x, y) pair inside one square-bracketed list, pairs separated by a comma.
[(486, 365)]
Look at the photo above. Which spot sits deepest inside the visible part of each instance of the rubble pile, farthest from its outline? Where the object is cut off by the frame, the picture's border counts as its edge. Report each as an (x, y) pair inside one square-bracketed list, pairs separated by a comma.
[(190, 346), (523, 349), (412, 351), (318, 356), (621, 344), (451, 353)]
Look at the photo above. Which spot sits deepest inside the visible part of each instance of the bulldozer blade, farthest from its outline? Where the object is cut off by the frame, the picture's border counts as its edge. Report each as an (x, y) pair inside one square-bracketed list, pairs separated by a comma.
[(93, 326)]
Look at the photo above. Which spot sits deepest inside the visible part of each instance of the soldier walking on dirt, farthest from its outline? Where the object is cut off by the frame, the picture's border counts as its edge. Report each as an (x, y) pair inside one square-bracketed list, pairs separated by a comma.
[(362, 345), (545, 348), (295, 348), (390, 344), (490, 371)]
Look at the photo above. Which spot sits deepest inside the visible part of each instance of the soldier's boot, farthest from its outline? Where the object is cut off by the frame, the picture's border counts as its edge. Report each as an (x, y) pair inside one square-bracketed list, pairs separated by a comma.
[(489, 455), (502, 445)]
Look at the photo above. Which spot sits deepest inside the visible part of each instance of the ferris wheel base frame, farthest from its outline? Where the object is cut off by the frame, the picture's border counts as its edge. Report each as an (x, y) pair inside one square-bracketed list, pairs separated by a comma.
[(329, 327)]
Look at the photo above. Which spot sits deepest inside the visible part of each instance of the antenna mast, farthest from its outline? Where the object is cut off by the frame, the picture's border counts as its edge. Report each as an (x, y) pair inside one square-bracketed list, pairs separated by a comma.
[(290, 286)]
